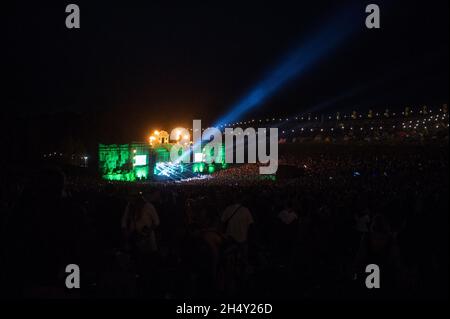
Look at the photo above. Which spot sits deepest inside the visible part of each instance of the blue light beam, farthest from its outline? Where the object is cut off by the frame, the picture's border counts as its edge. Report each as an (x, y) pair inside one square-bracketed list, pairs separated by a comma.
[(300, 60)]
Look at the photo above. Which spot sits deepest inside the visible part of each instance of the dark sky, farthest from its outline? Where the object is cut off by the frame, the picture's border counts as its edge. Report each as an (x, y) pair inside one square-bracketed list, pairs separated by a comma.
[(163, 65)]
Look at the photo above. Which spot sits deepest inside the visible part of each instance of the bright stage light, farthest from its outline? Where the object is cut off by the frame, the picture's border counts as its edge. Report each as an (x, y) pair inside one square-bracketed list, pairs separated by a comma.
[(181, 135), (151, 140), (198, 157), (167, 169), (140, 160)]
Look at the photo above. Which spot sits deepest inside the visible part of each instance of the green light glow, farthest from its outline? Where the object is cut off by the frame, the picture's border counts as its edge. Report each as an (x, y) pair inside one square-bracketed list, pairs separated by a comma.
[(137, 161), (268, 177), (162, 153), (141, 172), (198, 167), (211, 156), (126, 162)]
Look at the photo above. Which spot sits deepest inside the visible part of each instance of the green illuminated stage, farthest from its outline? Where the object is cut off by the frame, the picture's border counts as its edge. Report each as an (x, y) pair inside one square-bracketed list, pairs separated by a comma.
[(141, 162), (125, 162)]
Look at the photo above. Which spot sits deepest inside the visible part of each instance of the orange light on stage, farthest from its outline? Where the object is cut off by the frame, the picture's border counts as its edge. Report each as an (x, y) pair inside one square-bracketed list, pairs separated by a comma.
[(177, 134), (180, 136), (152, 139)]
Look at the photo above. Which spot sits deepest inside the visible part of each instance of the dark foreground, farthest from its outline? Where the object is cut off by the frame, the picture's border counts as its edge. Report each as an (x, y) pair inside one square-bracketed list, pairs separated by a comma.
[(305, 238)]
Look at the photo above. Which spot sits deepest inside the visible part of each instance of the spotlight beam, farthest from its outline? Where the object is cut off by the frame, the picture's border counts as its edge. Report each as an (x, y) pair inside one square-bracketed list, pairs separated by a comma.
[(297, 62)]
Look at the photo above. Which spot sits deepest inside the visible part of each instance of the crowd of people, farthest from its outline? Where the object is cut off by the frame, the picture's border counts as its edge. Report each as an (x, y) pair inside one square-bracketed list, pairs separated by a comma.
[(236, 234)]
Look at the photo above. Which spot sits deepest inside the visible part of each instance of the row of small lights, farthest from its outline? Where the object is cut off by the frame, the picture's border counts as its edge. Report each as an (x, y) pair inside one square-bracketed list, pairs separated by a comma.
[(404, 125), (316, 118), (429, 121), (343, 128), (436, 118), (61, 154), (352, 128), (287, 119)]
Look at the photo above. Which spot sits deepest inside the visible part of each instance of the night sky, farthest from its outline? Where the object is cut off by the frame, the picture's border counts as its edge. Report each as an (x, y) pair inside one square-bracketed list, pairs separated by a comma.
[(140, 65)]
